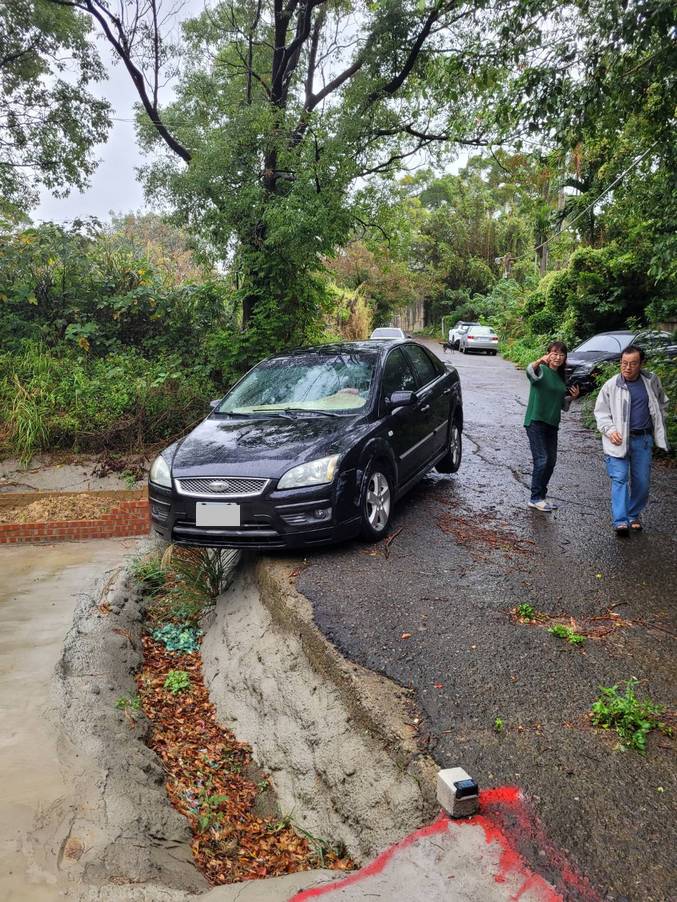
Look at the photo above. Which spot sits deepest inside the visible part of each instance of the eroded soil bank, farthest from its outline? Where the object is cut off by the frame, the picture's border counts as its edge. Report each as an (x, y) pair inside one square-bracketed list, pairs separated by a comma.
[(89, 817)]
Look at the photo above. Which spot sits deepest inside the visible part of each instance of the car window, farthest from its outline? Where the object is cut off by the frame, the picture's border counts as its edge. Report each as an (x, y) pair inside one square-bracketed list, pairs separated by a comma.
[(605, 343), (397, 374), (306, 381), (423, 365), (652, 341), (481, 330)]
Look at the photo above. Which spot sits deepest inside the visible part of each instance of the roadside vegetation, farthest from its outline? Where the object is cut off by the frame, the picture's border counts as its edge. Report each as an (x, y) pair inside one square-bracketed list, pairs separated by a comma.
[(560, 223), (211, 779)]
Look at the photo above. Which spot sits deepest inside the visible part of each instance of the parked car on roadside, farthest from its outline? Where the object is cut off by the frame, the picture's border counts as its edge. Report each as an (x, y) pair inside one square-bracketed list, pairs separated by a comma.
[(584, 361), (311, 446), (479, 338), (388, 332), (454, 337)]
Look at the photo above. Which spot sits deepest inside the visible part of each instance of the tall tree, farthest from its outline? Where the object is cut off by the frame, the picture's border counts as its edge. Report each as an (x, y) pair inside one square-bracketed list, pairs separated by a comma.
[(285, 107), (49, 120)]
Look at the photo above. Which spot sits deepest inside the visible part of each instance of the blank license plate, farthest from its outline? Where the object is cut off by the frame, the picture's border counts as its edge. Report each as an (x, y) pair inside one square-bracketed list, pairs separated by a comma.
[(209, 514)]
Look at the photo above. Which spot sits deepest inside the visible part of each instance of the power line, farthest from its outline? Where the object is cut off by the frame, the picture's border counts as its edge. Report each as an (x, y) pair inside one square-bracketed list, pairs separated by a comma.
[(597, 199)]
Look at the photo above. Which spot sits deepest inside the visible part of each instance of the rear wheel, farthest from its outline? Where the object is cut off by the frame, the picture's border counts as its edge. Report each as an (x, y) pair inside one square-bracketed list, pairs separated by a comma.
[(377, 503), (452, 459)]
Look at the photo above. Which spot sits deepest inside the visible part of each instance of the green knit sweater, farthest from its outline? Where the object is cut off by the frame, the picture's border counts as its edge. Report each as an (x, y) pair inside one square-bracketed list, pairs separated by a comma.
[(546, 396)]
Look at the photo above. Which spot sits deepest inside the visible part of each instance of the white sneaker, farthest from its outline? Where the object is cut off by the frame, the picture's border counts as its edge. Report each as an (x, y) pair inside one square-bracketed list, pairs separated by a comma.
[(544, 506)]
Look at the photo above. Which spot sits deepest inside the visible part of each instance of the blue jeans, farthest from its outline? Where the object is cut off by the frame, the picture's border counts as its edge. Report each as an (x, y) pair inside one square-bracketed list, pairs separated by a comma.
[(630, 478), (543, 442)]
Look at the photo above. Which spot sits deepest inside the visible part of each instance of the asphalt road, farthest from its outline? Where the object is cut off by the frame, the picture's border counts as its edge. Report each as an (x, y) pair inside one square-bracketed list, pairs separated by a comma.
[(466, 550)]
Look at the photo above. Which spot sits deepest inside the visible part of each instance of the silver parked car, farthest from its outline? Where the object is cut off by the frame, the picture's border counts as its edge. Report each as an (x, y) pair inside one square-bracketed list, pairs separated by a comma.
[(388, 332), (479, 338)]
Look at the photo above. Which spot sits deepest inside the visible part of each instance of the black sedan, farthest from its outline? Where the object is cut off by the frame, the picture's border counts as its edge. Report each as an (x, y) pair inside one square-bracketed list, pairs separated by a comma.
[(311, 446), (583, 362)]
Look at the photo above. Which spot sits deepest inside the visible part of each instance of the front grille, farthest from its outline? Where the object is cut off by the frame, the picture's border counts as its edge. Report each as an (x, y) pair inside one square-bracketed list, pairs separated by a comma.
[(221, 486)]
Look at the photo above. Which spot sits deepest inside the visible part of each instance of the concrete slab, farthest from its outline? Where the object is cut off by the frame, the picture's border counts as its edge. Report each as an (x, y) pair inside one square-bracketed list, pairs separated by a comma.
[(460, 860)]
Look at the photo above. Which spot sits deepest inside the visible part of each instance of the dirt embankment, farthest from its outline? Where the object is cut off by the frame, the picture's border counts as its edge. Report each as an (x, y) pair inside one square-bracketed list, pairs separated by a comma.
[(343, 763)]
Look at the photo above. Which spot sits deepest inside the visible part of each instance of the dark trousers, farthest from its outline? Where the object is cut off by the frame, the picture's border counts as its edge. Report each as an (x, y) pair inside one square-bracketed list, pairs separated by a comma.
[(543, 441)]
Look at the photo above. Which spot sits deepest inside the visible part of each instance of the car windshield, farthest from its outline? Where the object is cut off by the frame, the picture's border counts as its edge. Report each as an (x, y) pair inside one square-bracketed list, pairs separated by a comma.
[(313, 382), (612, 344), (386, 333)]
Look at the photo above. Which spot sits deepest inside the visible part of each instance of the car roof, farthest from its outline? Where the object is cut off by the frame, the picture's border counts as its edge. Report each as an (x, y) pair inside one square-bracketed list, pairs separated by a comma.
[(345, 347)]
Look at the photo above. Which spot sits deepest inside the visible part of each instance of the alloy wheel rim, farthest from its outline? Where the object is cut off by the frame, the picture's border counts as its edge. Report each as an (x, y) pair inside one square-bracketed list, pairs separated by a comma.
[(454, 444), (378, 501)]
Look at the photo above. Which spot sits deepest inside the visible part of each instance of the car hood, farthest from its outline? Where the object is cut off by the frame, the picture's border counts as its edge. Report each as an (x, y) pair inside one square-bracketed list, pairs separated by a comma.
[(577, 358), (265, 446)]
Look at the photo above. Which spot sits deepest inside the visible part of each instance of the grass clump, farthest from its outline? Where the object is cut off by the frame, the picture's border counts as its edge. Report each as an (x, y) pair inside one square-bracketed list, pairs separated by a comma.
[(177, 681), (499, 725), (631, 718), (525, 611), (179, 638), (150, 573), (559, 631)]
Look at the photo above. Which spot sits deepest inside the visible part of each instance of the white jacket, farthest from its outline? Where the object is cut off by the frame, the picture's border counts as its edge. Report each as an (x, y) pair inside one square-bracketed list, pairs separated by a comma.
[(612, 412)]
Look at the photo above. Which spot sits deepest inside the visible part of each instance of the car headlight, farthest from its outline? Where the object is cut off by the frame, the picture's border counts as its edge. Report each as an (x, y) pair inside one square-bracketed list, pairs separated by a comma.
[(316, 472), (160, 473)]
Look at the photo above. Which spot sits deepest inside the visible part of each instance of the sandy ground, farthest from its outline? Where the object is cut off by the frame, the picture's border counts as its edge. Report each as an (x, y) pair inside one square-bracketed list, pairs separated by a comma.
[(39, 591), (51, 473)]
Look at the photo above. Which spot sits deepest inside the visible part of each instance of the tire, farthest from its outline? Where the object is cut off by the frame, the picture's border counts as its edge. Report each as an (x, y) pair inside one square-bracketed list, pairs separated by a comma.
[(452, 459), (376, 503), (494, 353)]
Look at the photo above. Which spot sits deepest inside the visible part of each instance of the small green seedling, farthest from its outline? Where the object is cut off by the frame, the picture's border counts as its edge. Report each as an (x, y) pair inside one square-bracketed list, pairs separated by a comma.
[(631, 718), (128, 703), (526, 612), (210, 815), (499, 724), (566, 632), (177, 681)]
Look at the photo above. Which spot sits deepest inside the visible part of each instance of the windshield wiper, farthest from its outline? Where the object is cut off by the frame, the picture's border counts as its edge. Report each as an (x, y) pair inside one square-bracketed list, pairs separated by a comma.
[(320, 413), (232, 413), (278, 412)]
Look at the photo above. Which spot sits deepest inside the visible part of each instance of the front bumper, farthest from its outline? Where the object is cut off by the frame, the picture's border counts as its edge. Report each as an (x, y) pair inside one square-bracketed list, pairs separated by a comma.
[(274, 519)]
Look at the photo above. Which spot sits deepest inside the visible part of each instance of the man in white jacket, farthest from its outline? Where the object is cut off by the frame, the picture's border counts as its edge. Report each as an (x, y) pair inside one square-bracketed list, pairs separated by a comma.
[(630, 414)]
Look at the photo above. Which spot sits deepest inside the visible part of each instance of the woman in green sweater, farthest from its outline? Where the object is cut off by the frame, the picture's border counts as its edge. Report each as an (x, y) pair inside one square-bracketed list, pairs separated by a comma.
[(548, 396)]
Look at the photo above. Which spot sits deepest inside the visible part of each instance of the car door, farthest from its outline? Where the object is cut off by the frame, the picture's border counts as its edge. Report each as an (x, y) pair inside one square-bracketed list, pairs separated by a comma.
[(404, 424), (434, 398)]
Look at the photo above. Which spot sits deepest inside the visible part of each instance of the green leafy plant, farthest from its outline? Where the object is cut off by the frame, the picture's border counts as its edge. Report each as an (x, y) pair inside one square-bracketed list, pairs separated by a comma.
[(631, 718), (559, 631), (128, 703), (177, 681), (525, 612), (499, 725), (209, 809), (178, 637)]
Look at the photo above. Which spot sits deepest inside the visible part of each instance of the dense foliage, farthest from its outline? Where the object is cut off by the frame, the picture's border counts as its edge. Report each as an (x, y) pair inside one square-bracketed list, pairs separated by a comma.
[(49, 119)]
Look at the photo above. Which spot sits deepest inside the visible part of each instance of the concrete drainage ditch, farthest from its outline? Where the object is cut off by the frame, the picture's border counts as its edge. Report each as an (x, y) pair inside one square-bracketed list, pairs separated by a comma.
[(332, 736)]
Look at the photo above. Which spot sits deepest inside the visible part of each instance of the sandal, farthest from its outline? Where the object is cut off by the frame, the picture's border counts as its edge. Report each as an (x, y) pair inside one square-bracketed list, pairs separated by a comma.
[(622, 530), (636, 525)]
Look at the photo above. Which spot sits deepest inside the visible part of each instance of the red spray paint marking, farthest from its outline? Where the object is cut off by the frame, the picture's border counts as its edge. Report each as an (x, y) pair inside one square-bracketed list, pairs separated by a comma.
[(510, 861), (378, 864)]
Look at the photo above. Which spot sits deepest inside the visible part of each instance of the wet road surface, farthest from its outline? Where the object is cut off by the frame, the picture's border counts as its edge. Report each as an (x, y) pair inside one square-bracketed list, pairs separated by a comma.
[(466, 551), (39, 591)]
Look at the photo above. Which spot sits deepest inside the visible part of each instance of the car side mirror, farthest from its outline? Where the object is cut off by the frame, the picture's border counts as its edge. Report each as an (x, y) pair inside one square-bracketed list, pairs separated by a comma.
[(401, 399), (215, 403)]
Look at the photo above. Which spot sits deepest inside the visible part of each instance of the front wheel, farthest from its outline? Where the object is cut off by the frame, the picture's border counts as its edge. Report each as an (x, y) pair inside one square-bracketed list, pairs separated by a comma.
[(376, 505), (452, 459)]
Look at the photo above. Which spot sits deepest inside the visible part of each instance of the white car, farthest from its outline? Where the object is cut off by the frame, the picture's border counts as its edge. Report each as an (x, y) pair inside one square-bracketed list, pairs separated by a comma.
[(388, 332), (457, 332), (479, 338)]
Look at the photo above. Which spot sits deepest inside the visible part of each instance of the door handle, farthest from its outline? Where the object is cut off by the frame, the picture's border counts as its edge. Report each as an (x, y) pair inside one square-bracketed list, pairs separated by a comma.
[(424, 408), (447, 391)]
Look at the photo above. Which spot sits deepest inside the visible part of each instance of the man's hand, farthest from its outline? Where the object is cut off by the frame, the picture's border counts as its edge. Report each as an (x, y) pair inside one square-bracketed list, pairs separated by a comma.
[(615, 438), (574, 391)]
